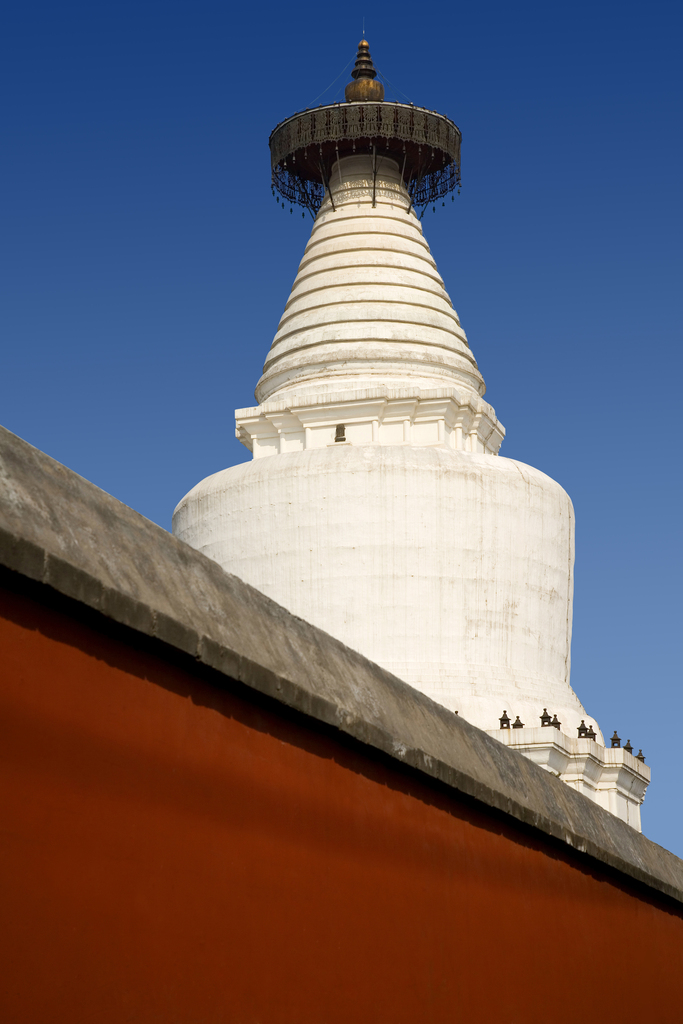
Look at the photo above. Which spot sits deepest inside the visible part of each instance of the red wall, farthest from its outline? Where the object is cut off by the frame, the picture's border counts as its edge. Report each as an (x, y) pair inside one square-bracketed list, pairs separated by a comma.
[(171, 852)]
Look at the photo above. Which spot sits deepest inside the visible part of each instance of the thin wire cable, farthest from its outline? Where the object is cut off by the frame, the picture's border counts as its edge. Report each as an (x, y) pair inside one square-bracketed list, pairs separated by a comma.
[(391, 85), (339, 89), (335, 80)]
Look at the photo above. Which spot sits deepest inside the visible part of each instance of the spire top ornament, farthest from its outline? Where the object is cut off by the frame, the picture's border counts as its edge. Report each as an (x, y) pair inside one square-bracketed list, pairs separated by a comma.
[(364, 88)]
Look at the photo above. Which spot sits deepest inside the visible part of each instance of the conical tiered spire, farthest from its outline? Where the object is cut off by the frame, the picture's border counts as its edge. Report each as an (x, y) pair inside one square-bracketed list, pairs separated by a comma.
[(368, 307)]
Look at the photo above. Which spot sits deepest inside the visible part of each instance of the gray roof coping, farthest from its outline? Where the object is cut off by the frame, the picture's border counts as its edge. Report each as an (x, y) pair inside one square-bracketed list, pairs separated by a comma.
[(65, 533)]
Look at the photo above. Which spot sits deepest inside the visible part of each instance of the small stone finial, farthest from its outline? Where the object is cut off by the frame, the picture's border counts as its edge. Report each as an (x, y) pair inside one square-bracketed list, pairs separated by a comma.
[(504, 720), (616, 740), (545, 718), (640, 756), (627, 746), (364, 88), (591, 734), (583, 730), (517, 724), (556, 723)]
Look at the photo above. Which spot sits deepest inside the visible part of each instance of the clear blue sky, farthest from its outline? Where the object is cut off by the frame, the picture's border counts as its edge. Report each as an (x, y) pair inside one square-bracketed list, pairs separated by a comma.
[(145, 266)]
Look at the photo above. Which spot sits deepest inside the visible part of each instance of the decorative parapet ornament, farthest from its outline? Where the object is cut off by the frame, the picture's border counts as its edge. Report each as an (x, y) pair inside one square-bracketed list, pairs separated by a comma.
[(305, 147), (612, 777)]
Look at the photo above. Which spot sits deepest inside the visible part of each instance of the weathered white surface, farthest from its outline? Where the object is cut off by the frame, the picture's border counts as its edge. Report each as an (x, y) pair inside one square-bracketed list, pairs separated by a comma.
[(611, 776), (368, 306), (452, 570)]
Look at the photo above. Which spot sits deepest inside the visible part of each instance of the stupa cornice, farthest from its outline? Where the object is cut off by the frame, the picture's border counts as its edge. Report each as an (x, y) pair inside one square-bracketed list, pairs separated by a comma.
[(438, 416)]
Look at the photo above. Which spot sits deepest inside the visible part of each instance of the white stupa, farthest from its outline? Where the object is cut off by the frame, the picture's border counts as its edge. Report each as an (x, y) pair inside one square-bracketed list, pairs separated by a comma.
[(376, 505)]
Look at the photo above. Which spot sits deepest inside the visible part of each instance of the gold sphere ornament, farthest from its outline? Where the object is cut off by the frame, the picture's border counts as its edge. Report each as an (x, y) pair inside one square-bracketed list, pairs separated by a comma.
[(364, 88)]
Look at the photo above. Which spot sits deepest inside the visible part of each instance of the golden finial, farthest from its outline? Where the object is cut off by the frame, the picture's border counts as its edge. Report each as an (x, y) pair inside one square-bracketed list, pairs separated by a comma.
[(364, 88)]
